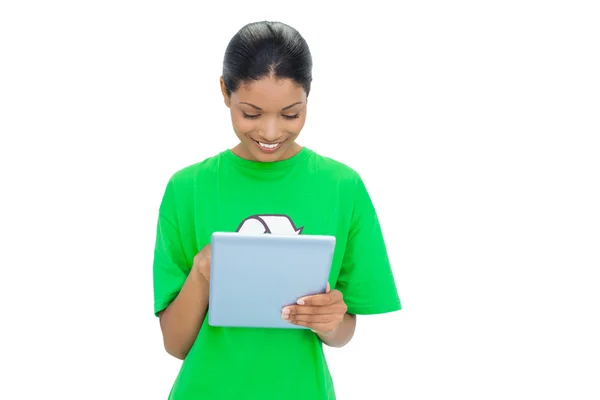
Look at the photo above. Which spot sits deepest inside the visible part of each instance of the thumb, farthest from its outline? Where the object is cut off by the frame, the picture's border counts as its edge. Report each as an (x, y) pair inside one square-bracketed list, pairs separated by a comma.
[(328, 288)]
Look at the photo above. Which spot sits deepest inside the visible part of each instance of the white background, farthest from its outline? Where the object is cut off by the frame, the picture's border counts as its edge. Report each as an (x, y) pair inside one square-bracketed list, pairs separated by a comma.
[(475, 125)]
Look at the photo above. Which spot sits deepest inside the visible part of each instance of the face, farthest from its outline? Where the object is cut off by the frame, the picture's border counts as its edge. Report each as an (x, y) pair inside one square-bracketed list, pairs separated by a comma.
[(267, 117)]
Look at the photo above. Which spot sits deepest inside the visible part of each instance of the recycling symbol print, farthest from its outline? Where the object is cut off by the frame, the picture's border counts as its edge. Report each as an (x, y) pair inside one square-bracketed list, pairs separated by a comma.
[(278, 224)]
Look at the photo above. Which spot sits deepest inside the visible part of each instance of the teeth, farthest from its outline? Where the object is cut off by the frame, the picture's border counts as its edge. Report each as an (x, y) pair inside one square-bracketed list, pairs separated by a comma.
[(268, 146)]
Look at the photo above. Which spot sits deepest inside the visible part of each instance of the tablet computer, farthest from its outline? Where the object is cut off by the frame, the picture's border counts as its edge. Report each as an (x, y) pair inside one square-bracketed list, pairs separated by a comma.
[(253, 276)]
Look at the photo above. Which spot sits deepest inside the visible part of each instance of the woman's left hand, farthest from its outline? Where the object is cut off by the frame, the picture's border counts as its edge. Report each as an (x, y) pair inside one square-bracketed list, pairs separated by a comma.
[(322, 313)]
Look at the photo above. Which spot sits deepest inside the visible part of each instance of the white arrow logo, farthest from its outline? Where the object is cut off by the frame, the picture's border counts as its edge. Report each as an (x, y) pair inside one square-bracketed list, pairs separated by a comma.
[(277, 224)]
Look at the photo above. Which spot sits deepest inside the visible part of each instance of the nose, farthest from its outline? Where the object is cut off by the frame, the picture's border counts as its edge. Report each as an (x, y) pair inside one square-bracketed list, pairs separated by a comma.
[(270, 132)]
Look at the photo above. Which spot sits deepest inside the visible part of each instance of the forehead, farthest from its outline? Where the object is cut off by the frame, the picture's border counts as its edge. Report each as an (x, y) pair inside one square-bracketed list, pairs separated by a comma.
[(270, 93)]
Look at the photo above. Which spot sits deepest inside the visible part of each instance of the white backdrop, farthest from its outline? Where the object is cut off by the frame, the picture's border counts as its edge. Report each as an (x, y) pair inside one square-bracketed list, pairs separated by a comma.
[(474, 124)]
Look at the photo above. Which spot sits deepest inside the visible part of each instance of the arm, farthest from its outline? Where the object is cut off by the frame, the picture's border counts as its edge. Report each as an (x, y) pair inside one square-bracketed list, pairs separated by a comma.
[(342, 335), (181, 321)]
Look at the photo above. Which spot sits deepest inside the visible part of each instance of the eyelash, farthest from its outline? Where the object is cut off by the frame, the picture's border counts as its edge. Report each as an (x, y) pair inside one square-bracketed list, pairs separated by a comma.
[(289, 117)]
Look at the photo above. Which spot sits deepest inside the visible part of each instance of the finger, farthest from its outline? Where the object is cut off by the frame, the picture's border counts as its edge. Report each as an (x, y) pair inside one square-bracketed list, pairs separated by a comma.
[(306, 310), (316, 300), (314, 319), (334, 296), (319, 299), (207, 268), (291, 311), (302, 299), (315, 326), (336, 308)]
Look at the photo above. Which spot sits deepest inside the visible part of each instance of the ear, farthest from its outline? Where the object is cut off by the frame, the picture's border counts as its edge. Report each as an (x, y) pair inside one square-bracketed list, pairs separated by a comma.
[(226, 98)]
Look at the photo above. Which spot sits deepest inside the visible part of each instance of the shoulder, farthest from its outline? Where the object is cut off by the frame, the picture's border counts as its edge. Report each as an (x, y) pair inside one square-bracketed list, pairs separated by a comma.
[(200, 171), (343, 179), (336, 170)]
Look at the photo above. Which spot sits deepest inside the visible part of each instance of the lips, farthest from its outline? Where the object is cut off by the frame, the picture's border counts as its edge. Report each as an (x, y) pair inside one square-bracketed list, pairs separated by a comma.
[(268, 147)]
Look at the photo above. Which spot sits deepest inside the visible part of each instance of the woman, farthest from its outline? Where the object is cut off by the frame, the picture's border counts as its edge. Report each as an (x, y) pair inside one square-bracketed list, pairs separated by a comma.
[(268, 183)]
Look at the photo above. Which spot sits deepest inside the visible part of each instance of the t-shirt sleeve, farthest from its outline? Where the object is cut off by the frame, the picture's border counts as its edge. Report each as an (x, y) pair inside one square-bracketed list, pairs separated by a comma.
[(170, 268), (366, 280)]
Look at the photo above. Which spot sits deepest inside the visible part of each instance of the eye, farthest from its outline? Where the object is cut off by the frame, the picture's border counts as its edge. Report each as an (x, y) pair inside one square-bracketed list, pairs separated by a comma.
[(291, 116), (250, 116)]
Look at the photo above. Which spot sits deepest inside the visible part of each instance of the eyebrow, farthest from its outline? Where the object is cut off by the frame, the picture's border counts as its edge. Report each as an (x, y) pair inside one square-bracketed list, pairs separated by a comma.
[(260, 109)]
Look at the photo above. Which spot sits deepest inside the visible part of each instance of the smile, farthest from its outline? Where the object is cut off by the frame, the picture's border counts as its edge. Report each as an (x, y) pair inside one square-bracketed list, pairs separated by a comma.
[(268, 147)]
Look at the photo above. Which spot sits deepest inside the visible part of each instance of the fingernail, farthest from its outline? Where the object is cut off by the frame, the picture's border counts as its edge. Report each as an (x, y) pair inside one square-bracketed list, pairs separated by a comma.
[(285, 316), (300, 301)]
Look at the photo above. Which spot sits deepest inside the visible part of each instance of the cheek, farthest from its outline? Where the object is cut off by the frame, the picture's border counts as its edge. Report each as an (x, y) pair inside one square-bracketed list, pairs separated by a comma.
[(296, 125), (241, 124)]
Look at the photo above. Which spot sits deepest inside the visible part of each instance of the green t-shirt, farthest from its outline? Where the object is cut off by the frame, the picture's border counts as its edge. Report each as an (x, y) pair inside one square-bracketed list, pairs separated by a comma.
[(305, 194)]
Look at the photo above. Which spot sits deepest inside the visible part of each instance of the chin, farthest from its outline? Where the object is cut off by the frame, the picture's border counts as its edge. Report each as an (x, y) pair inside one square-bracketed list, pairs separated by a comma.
[(262, 157)]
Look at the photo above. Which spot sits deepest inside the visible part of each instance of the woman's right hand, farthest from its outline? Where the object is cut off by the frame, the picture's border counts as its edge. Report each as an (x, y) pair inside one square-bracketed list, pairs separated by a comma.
[(202, 263), (181, 321)]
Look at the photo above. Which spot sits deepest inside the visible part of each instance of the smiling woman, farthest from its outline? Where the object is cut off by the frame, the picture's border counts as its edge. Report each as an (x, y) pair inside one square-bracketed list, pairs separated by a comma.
[(266, 184), (267, 72)]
